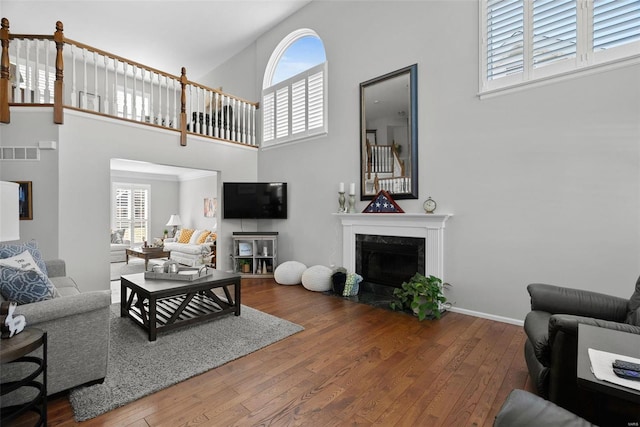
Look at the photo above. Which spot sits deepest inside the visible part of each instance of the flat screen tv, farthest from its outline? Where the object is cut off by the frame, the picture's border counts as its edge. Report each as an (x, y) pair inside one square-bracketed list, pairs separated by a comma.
[(254, 200)]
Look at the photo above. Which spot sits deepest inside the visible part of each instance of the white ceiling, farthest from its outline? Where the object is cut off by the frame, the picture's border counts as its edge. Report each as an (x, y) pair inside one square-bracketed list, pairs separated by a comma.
[(160, 172), (163, 34)]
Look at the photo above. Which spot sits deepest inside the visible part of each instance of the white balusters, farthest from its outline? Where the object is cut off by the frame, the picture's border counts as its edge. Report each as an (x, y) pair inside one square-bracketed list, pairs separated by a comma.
[(74, 97), (28, 75), (125, 106), (37, 89), (216, 115), (142, 109), (152, 117), (106, 84), (134, 98), (175, 103), (96, 103), (115, 88), (83, 103), (167, 121), (47, 82)]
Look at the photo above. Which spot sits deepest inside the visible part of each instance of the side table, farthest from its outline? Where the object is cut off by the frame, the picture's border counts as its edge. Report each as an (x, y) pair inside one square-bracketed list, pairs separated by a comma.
[(16, 350), (614, 404)]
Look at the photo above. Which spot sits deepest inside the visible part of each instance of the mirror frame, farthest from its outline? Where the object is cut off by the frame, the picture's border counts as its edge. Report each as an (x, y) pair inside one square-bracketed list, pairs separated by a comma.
[(412, 71)]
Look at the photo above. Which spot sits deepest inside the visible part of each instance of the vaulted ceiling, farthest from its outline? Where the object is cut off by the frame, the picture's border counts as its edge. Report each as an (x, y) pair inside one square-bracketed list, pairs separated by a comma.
[(163, 34)]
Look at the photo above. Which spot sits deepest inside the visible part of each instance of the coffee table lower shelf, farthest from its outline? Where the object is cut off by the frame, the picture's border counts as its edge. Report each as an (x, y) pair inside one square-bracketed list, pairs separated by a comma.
[(188, 303)]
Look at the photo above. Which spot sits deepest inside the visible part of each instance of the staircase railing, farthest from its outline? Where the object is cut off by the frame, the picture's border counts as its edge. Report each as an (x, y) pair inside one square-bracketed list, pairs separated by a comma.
[(54, 70)]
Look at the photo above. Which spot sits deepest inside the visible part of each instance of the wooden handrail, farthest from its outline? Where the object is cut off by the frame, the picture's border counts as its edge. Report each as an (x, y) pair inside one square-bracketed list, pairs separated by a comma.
[(58, 86), (4, 72)]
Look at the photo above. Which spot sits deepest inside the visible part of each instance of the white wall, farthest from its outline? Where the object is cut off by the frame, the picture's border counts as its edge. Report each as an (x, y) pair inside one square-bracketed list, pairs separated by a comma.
[(43, 174), (192, 195), (75, 208), (544, 183)]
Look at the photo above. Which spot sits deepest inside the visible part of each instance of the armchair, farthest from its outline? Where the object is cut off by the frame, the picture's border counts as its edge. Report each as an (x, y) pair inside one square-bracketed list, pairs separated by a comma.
[(552, 331)]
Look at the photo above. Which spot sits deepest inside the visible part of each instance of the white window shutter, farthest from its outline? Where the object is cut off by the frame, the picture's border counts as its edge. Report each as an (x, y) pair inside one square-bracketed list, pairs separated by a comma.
[(295, 108), (282, 112), (554, 31), (316, 100), (268, 116), (527, 40), (299, 106), (505, 37), (615, 22)]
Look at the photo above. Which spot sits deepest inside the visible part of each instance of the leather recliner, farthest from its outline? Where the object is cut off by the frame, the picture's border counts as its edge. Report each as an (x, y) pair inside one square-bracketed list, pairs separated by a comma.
[(552, 331)]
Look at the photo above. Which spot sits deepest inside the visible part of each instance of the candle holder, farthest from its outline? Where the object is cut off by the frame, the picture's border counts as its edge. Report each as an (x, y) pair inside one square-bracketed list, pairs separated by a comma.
[(341, 200), (352, 203)]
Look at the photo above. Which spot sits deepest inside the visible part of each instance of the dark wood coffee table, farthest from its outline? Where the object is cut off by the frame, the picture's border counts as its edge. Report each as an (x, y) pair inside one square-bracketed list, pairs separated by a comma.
[(166, 304), (146, 254)]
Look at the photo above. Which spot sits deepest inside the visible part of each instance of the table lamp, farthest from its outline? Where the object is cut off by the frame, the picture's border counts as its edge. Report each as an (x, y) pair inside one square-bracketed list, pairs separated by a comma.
[(175, 222), (9, 212)]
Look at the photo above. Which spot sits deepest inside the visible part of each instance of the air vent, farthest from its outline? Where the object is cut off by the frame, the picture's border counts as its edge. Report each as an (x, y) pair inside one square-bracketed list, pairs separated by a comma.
[(19, 153)]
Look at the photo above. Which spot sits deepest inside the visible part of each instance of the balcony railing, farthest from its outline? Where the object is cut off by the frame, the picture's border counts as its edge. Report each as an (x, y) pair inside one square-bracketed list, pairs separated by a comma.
[(54, 70)]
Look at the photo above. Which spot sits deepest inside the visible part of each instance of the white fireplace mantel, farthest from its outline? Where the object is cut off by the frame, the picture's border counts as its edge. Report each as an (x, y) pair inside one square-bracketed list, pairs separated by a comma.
[(428, 226)]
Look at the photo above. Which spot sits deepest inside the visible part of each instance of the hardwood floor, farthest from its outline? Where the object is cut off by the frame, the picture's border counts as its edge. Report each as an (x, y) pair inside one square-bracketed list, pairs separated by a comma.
[(352, 365)]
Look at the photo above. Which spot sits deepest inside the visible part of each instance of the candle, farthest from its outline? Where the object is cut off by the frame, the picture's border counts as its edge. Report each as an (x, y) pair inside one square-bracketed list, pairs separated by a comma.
[(341, 190), (352, 188)]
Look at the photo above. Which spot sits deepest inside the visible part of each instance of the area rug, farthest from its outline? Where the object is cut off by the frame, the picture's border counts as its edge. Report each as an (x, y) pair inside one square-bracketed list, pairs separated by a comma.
[(138, 367)]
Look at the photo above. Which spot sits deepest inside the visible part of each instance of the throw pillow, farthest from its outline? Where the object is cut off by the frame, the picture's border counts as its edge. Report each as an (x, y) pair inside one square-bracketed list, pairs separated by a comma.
[(23, 261), (203, 237), (9, 250), (195, 236), (185, 235), (633, 315), (117, 236), (24, 286)]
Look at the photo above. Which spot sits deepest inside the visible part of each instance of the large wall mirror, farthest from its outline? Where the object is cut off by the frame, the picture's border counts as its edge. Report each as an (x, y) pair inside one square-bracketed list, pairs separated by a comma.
[(389, 134)]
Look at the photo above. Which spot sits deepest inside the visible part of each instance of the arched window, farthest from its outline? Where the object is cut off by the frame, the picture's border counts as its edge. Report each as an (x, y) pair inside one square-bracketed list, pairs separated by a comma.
[(294, 89)]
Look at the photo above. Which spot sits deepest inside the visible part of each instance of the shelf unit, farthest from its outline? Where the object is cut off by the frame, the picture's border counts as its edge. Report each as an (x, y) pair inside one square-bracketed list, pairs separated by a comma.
[(257, 249)]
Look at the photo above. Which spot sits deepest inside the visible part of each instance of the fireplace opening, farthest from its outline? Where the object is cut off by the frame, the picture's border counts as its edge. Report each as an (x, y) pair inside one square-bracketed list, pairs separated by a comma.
[(384, 262)]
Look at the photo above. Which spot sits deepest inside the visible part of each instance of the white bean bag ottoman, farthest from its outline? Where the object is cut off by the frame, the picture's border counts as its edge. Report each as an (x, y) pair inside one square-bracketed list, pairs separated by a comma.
[(289, 273), (317, 278)]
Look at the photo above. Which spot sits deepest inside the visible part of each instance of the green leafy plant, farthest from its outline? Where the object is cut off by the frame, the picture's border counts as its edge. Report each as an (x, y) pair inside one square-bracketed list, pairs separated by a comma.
[(422, 295)]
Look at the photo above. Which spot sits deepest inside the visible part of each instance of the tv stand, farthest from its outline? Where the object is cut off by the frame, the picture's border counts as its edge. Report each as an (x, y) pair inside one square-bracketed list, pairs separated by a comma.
[(254, 252)]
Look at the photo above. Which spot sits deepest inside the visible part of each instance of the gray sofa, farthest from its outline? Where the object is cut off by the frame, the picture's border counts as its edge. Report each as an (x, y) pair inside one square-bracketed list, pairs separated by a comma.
[(77, 326)]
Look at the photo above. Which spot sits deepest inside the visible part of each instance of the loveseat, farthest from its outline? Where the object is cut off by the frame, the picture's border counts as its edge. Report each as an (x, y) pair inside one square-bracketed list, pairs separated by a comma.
[(77, 326), (189, 246), (119, 246), (552, 331)]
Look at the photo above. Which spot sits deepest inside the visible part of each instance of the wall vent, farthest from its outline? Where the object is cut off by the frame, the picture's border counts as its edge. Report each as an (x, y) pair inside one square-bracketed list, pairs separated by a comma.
[(19, 153)]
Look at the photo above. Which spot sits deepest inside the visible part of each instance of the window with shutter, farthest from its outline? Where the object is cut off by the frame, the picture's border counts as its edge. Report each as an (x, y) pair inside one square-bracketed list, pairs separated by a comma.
[(131, 211), (526, 41), (294, 95)]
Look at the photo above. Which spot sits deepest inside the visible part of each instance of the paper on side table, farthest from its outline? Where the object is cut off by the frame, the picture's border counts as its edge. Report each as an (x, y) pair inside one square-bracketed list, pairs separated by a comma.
[(601, 362)]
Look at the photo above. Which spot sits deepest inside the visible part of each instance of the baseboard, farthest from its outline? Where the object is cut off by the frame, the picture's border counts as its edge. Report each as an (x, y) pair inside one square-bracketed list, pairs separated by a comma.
[(487, 316)]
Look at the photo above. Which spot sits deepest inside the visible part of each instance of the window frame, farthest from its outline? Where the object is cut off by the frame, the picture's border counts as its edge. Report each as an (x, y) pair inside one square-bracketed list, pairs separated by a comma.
[(585, 61), (269, 103), (115, 221)]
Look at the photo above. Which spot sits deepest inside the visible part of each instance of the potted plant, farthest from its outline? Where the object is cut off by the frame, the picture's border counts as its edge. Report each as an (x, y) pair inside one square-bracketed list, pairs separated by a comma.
[(245, 265), (166, 233), (422, 295)]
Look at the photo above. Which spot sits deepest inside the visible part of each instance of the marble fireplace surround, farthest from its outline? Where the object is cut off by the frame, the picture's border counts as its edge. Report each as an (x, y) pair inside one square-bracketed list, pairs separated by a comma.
[(428, 226)]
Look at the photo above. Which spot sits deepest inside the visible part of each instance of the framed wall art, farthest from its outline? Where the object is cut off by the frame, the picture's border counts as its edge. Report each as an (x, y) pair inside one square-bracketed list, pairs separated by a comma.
[(25, 199)]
